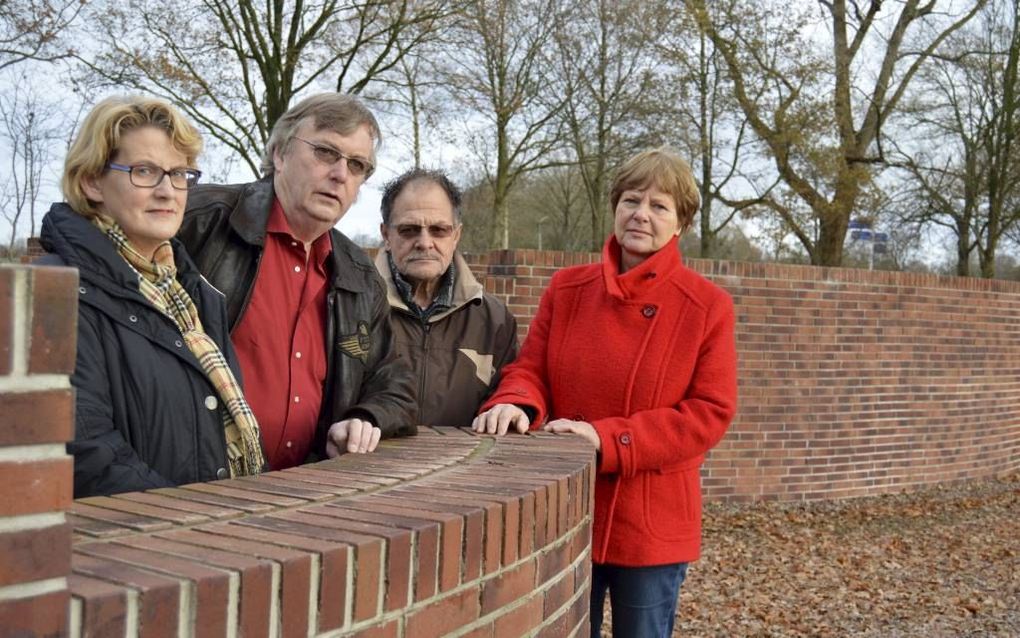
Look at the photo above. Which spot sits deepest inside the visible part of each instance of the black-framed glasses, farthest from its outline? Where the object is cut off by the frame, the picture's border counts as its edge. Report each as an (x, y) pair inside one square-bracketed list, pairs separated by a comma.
[(413, 231), (359, 167), (149, 176)]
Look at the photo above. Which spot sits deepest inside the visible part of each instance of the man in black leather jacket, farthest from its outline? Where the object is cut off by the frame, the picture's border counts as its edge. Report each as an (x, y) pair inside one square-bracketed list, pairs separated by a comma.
[(250, 240)]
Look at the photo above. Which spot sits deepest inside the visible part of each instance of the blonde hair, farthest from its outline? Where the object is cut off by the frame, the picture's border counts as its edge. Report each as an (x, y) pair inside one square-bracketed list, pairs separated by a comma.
[(664, 169), (100, 135)]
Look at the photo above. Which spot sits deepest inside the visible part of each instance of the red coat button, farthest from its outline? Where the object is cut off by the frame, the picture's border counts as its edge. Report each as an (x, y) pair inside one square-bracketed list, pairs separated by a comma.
[(648, 311), (625, 439)]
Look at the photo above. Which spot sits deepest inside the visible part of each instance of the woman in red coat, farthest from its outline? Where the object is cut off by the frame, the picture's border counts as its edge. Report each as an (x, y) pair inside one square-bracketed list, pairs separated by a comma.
[(636, 355)]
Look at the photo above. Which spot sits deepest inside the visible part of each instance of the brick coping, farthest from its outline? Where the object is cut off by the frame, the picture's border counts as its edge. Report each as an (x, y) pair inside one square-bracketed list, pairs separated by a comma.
[(445, 533)]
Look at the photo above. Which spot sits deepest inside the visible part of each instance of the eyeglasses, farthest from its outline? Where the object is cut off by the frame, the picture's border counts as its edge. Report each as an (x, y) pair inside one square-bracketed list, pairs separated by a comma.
[(413, 231), (149, 176), (357, 166)]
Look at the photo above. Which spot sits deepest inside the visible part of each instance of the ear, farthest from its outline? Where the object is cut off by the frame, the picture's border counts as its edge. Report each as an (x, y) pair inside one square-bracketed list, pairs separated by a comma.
[(277, 159), (456, 235), (384, 230), (92, 189)]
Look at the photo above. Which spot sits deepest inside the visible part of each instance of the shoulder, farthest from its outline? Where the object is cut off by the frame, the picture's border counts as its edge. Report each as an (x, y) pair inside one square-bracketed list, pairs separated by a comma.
[(206, 198), (576, 276)]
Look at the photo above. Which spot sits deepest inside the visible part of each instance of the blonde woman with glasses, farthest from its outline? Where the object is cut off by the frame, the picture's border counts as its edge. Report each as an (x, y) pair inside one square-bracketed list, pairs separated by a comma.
[(158, 395)]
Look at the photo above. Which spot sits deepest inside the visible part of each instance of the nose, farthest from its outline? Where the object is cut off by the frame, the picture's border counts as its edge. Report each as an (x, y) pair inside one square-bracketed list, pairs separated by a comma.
[(340, 171), (164, 188), (424, 239), (642, 211)]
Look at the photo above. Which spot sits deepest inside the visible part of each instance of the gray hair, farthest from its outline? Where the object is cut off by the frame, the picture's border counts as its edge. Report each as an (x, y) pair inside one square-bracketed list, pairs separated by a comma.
[(393, 189), (337, 112)]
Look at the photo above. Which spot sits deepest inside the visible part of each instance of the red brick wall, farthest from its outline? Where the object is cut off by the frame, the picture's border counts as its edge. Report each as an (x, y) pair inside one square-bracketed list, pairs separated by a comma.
[(851, 382), (37, 312)]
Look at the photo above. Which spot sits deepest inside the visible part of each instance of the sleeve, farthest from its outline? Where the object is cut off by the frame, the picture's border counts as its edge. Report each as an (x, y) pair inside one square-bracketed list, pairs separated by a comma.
[(661, 437), (525, 381), (387, 390), (104, 462)]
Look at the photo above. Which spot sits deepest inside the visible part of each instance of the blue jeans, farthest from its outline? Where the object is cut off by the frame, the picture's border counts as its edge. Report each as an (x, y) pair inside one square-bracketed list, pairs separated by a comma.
[(643, 599)]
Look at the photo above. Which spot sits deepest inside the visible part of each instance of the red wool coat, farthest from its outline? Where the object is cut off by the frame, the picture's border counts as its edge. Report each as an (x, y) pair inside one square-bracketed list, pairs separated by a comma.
[(648, 358)]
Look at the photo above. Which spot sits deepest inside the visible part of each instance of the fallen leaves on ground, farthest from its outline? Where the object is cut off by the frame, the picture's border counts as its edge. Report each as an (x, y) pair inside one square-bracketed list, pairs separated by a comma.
[(942, 561)]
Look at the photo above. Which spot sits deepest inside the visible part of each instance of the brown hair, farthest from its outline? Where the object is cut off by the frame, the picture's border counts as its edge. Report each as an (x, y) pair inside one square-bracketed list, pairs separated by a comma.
[(663, 168), (99, 138), (337, 112)]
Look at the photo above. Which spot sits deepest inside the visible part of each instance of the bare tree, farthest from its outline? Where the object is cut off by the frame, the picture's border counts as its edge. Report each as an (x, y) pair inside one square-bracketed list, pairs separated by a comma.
[(499, 74), (29, 127), (821, 117), (969, 182), (234, 65), (31, 29), (712, 128), (607, 63)]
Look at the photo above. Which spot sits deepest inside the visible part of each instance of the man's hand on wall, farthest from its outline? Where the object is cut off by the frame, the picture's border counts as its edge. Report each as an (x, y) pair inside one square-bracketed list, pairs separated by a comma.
[(352, 435)]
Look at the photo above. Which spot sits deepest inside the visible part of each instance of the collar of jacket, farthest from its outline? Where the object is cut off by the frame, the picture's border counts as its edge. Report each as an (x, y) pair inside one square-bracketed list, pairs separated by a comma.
[(643, 278), (466, 288), (81, 245), (249, 219)]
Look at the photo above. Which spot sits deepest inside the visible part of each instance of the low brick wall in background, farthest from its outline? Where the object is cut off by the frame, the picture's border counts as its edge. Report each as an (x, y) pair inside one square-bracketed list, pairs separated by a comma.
[(851, 382)]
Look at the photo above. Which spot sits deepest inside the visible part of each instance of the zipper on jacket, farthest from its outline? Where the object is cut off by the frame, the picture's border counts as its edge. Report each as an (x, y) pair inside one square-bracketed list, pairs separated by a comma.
[(426, 329)]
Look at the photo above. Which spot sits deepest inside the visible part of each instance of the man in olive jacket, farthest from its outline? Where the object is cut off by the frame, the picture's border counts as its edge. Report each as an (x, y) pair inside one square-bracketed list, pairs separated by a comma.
[(454, 335), (307, 311)]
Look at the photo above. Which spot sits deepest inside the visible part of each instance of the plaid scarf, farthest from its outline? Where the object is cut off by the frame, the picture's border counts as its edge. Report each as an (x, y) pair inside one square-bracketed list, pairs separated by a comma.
[(157, 281)]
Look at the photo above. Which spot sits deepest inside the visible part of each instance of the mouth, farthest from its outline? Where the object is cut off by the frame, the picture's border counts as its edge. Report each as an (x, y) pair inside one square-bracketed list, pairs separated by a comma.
[(329, 196)]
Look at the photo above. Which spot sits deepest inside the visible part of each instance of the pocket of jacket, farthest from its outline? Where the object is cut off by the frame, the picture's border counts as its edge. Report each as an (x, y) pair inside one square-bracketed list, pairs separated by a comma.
[(672, 502)]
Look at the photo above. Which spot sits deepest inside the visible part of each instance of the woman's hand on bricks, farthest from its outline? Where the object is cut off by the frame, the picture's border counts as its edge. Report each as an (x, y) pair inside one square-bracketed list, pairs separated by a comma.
[(498, 420), (582, 429)]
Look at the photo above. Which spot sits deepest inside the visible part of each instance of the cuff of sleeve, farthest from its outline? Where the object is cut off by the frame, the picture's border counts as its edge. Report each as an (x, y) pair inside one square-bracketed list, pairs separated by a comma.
[(617, 449)]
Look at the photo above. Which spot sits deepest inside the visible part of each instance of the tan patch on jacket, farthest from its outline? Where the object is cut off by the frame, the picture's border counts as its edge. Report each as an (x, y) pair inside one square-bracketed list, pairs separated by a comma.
[(358, 344), (483, 364)]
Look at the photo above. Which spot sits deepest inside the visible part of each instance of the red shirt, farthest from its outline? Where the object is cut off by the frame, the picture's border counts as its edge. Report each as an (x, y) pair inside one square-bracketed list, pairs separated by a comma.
[(281, 341)]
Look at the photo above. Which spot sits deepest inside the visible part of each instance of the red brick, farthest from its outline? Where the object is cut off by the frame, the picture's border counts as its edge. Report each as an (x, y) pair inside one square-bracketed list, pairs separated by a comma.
[(54, 320), (129, 506), (552, 561), (193, 496), (124, 520), (399, 555), (386, 630), (368, 554), (519, 621), (558, 594), (508, 586), (232, 489), (44, 416), (35, 554), (295, 570), (425, 562), (451, 537), (103, 606), (34, 487), (443, 615), (6, 318), (255, 578), (158, 596), (44, 615), (472, 514), (180, 504), (211, 586)]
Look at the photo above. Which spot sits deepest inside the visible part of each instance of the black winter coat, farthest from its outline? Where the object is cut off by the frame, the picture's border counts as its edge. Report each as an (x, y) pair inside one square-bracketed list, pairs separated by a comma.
[(146, 415)]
